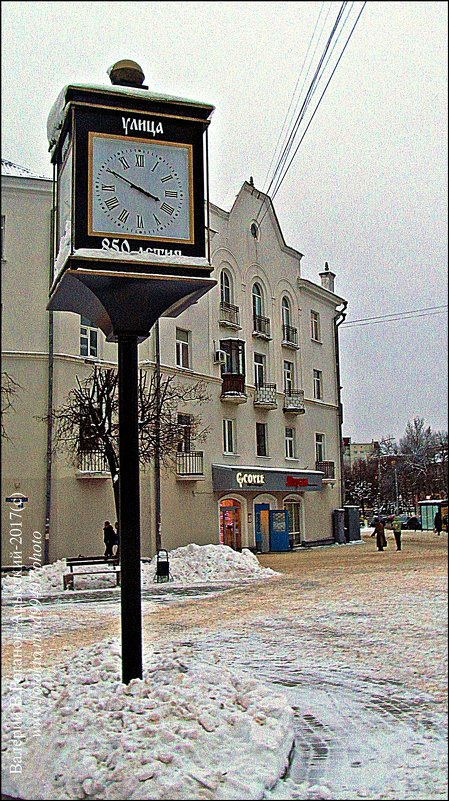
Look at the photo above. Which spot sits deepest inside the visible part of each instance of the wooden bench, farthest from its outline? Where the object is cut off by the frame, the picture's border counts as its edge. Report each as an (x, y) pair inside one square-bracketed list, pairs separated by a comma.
[(16, 568), (90, 561)]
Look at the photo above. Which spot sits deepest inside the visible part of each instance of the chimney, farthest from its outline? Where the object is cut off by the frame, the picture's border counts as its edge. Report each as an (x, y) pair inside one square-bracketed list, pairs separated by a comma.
[(327, 278)]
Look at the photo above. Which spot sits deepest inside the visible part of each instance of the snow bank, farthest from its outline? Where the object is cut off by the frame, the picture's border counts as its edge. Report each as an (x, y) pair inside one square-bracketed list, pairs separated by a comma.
[(188, 565), (189, 729)]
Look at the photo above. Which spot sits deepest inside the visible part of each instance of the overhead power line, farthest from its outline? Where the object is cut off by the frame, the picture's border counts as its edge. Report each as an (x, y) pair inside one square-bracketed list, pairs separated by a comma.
[(413, 314)]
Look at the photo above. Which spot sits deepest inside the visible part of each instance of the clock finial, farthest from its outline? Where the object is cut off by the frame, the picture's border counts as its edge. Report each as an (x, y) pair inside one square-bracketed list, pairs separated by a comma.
[(127, 73)]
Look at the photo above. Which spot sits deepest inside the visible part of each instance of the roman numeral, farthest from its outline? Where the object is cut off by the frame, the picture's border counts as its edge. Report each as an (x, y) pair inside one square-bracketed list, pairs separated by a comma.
[(170, 193), (140, 160), (123, 161), (166, 178), (111, 203), (139, 221), (168, 209), (123, 216), (108, 187), (157, 220)]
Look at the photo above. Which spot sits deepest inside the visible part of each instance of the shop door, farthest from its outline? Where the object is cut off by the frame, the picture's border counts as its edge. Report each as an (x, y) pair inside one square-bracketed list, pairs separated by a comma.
[(261, 526), (279, 533), (230, 524)]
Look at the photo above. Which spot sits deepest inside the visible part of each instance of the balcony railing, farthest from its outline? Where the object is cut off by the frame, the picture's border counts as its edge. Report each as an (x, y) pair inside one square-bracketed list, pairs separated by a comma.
[(92, 462), (294, 401), (290, 336), (229, 315), (328, 468), (233, 388), (189, 464), (265, 396), (261, 327)]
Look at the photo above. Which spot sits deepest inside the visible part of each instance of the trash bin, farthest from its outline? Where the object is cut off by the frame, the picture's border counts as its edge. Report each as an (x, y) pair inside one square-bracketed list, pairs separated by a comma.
[(338, 521), (162, 567)]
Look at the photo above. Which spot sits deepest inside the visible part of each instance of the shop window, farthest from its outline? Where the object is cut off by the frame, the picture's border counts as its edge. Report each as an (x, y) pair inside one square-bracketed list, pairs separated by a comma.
[(294, 521), (230, 532)]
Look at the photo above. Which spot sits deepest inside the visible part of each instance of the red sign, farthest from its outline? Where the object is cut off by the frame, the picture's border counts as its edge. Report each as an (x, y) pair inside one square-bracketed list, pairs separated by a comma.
[(296, 482)]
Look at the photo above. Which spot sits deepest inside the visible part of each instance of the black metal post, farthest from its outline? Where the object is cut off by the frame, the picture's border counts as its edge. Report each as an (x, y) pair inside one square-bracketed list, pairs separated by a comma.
[(157, 455), (131, 609)]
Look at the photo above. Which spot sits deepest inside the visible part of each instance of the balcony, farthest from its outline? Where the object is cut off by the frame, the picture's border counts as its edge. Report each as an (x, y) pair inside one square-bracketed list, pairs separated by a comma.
[(328, 468), (290, 337), (229, 315), (261, 327), (265, 397), (189, 465), (233, 388), (92, 464), (294, 401)]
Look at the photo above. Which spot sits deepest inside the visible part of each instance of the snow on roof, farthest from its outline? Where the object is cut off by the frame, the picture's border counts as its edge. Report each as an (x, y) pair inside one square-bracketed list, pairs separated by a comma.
[(9, 168)]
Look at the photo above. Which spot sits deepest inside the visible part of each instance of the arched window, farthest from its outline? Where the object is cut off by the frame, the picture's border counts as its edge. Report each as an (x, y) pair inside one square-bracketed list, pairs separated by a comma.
[(257, 301), (286, 312), (225, 287)]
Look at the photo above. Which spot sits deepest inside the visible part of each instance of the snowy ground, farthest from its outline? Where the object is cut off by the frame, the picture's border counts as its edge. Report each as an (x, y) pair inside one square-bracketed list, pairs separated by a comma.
[(234, 677)]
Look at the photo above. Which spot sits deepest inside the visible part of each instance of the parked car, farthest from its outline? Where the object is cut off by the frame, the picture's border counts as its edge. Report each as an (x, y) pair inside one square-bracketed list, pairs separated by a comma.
[(413, 523), (383, 518)]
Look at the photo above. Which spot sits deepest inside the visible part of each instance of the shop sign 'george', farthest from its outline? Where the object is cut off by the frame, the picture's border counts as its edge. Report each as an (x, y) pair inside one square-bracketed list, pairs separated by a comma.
[(130, 174)]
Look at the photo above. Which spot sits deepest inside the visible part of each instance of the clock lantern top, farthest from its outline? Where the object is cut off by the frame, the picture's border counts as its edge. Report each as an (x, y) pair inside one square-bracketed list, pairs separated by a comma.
[(130, 173)]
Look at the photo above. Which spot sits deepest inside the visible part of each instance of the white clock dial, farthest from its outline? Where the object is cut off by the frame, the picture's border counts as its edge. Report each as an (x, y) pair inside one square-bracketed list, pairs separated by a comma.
[(140, 188)]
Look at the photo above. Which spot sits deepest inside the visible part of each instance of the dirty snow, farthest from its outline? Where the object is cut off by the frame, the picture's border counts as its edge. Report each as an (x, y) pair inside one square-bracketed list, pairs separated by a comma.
[(188, 565)]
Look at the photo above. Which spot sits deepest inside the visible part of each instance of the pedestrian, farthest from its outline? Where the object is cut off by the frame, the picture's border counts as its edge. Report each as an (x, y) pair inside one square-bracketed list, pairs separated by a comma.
[(115, 547), (397, 531), (108, 538), (438, 523), (379, 530)]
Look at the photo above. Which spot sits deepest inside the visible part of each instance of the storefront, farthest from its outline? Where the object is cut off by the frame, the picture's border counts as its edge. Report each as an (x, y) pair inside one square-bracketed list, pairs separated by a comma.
[(264, 509)]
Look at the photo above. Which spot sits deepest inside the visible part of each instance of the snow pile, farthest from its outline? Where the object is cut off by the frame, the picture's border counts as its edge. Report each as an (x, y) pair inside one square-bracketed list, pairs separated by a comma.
[(203, 563), (188, 565), (189, 729)]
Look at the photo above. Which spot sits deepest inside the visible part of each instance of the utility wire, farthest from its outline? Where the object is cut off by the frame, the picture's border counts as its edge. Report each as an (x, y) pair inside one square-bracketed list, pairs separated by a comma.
[(394, 314), (399, 318)]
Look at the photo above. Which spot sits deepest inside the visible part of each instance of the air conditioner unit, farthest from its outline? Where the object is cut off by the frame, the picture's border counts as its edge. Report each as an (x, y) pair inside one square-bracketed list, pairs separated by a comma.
[(220, 357)]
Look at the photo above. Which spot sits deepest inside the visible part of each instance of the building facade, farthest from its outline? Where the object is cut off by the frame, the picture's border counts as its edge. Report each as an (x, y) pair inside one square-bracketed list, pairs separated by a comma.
[(263, 341), (359, 451)]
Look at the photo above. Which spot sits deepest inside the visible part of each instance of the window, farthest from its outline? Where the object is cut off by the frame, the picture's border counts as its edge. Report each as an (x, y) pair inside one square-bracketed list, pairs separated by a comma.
[(182, 348), (320, 451), (225, 287), (290, 448), (185, 426), (294, 521), (315, 326), (288, 377), (261, 439), (235, 356), (259, 369), (257, 301), (2, 241), (286, 312), (255, 231), (318, 384), (228, 436), (88, 338)]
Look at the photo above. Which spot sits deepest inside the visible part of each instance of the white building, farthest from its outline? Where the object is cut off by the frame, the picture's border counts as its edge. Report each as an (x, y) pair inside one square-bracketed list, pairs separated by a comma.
[(264, 341)]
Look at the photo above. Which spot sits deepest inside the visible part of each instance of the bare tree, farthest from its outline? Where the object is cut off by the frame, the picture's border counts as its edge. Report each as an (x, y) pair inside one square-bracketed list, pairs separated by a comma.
[(87, 424), (10, 389)]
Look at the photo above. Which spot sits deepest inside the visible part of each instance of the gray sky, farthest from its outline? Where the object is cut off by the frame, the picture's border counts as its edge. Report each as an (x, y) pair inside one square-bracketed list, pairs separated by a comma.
[(367, 190)]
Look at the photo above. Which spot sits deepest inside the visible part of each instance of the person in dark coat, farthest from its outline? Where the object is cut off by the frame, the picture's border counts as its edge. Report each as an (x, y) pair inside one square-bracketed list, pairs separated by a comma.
[(108, 537), (438, 523), (379, 531), (397, 529)]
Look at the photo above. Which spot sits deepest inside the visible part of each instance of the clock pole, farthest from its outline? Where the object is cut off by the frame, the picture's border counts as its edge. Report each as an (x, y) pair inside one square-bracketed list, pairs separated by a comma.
[(129, 509)]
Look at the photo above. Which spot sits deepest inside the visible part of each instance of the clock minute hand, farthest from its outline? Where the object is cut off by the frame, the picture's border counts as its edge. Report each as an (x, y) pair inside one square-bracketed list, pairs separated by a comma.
[(139, 188)]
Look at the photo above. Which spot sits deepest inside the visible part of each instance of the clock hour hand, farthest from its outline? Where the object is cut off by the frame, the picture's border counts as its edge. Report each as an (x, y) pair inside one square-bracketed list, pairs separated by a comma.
[(139, 188)]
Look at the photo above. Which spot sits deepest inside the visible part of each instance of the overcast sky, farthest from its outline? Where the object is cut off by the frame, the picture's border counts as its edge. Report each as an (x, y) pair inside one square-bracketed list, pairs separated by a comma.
[(367, 190)]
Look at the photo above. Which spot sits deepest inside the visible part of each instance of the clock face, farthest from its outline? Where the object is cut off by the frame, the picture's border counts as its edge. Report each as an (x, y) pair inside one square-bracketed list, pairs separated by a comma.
[(140, 188)]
